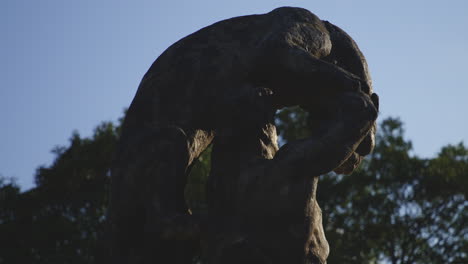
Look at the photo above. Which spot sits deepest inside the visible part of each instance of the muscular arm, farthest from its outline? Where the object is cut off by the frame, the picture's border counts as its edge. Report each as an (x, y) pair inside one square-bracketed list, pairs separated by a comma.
[(336, 144), (298, 75), (280, 185)]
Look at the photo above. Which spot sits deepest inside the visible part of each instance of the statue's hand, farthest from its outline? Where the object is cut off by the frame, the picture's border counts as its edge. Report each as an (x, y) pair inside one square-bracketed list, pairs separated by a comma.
[(365, 147)]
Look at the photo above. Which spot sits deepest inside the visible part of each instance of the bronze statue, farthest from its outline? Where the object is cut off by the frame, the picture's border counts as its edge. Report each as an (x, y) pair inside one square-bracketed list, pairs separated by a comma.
[(222, 85)]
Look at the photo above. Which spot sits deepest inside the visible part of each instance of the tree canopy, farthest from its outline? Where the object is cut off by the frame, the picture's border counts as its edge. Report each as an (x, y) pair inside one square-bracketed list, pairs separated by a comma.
[(396, 208)]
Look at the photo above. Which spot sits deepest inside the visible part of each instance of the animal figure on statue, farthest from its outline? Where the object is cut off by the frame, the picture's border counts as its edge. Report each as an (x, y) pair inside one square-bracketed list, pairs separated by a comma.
[(212, 83)]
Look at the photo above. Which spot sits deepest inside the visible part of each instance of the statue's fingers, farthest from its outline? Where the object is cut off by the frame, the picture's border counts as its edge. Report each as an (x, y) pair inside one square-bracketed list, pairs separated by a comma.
[(375, 100), (349, 165)]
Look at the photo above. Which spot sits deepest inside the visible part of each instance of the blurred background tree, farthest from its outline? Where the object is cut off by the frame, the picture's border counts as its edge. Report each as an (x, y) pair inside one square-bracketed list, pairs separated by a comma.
[(62, 220), (396, 208)]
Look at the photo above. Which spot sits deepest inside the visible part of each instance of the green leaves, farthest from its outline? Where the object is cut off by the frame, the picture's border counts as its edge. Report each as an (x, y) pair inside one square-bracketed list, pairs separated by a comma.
[(406, 209), (292, 123), (195, 189), (396, 208), (62, 219)]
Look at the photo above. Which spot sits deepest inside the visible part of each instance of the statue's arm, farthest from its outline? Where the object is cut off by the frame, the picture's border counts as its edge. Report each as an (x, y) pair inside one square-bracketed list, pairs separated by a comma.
[(326, 152), (296, 70), (274, 186)]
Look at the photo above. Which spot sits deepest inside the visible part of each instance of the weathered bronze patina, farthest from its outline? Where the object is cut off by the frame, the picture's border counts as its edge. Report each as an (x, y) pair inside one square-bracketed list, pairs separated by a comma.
[(222, 85)]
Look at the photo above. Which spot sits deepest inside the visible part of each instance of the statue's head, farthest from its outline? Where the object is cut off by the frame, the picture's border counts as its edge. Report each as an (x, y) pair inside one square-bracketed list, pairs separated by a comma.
[(346, 54)]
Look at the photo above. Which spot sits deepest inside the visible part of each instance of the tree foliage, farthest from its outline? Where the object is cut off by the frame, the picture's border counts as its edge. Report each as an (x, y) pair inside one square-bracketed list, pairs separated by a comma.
[(62, 219), (396, 208)]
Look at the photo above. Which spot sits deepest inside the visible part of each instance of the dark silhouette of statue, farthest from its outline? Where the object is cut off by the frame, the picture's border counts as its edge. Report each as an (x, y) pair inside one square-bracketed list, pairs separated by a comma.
[(222, 85)]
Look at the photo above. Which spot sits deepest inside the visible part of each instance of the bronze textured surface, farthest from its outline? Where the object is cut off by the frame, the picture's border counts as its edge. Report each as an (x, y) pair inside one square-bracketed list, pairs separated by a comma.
[(222, 85)]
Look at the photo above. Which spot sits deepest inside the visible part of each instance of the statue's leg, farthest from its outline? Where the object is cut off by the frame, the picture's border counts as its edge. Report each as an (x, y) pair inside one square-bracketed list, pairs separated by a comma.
[(148, 181)]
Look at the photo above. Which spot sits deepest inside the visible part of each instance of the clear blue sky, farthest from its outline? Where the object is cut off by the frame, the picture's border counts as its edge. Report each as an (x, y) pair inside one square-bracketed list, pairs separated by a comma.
[(68, 65)]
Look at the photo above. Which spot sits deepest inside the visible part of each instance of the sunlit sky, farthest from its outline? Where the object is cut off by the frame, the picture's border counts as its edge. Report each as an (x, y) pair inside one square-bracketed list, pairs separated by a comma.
[(68, 65)]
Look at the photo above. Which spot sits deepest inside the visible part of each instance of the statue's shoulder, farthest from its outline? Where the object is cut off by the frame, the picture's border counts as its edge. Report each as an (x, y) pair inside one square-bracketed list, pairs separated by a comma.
[(250, 26), (294, 14), (277, 17)]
